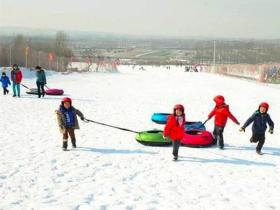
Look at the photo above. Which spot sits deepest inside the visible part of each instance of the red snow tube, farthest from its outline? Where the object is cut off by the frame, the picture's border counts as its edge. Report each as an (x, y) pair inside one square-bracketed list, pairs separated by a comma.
[(54, 92), (197, 138)]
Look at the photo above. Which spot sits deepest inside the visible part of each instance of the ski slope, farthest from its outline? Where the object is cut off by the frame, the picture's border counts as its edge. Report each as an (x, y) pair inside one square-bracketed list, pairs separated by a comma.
[(110, 170)]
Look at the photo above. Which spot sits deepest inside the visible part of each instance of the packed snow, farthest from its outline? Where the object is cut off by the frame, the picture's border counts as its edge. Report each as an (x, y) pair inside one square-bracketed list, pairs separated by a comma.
[(110, 170)]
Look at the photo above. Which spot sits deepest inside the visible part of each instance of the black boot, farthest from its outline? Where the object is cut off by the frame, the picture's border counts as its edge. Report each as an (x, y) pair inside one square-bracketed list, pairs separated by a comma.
[(73, 143), (64, 145)]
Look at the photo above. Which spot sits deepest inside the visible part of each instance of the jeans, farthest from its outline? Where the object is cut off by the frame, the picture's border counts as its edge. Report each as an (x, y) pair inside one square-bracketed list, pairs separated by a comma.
[(16, 89), (40, 87)]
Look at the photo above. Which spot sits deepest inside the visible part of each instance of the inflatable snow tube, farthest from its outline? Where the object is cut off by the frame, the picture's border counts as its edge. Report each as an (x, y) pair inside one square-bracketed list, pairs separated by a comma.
[(194, 126), (56, 92), (160, 118), (32, 91), (152, 138), (197, 138)]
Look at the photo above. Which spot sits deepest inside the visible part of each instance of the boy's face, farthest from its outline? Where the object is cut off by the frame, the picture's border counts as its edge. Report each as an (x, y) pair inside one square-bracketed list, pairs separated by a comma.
[(178, 112), (66, 105), (262, 109)]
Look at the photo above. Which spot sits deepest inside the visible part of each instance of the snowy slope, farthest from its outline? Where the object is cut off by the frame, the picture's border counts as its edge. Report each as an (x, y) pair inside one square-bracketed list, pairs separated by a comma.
[(110, 170)]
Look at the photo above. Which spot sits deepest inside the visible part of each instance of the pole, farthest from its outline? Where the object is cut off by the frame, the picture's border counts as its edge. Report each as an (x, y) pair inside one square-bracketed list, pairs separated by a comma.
[(39, 58), (10, 55), (214, 56)]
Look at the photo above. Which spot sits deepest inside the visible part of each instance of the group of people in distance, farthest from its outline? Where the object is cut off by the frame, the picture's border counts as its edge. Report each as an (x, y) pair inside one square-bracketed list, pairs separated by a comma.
[(16, 78)]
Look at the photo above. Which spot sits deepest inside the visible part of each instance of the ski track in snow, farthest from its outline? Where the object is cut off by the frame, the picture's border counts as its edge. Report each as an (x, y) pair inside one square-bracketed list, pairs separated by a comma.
[(110, 170)]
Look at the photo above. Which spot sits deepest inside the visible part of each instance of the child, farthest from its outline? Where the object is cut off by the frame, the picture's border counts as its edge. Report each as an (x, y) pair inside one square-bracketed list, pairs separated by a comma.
[(174, 128), (221, 113), (260, 118), (68, 122), (5, 80)]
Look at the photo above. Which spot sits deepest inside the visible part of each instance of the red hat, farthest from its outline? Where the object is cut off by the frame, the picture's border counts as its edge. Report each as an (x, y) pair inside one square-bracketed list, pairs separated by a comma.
[(66, 100), (219, 100), (179, 106), (265, 105)]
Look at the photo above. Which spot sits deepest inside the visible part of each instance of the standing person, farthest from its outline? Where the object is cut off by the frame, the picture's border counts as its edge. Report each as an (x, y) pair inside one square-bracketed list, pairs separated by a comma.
[(5, 80), (68, 122), (16, 77), (40, 81), (260, 119), (221, 113), (174, 128)]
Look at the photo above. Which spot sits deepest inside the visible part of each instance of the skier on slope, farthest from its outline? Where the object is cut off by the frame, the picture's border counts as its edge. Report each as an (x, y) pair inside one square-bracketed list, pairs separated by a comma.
[(221, 113), (260, 119), (68, 122)]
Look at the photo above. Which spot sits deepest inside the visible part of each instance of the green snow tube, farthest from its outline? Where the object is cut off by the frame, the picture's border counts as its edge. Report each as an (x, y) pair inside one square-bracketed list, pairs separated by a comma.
[(152, 138)]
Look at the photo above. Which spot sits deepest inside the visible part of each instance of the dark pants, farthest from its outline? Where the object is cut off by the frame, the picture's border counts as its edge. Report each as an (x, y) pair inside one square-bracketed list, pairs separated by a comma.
[(5, 91), (40, 87), (69, 132), (218, 136), (176, 145), (258, 138)]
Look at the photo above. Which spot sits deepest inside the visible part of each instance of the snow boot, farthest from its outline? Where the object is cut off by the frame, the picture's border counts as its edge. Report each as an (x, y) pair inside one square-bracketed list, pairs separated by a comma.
[(175, 158), (259, 152), (73, 141), (64, 145)]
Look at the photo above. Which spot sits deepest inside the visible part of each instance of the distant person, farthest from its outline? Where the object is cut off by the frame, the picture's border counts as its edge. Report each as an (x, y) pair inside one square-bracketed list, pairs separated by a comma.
[(16, 77), (68, 122), (175, 128), (221, 113), (40, 81), (5, 80), (260, 119)]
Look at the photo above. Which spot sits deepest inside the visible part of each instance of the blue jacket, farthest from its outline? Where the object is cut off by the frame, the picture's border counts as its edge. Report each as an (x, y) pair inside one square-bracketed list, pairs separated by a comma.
[(69, 115), (5, 81), (260, 121)]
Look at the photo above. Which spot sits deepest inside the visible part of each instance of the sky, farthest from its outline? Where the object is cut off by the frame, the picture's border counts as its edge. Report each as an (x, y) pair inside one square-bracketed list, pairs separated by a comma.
[(202, 18)]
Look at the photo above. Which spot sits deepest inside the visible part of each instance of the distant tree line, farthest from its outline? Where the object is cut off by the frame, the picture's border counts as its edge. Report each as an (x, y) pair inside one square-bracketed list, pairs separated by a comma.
[(52, 53)]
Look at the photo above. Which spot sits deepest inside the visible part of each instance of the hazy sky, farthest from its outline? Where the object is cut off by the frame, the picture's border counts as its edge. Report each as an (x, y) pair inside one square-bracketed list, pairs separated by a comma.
[(208, 18)]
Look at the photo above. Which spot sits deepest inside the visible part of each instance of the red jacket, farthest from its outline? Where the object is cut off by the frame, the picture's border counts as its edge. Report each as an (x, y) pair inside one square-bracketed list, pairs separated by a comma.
[(222, 113), (173, 130), (16, 76)]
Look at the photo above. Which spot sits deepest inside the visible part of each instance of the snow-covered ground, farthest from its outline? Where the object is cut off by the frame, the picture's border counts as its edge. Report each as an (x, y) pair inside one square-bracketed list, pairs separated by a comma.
[(110, 170)]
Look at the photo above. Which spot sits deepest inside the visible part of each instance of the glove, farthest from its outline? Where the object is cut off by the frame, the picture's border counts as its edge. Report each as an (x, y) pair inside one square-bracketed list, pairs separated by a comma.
[(270, 131), (242, 129), (82, 118), (238, 123)]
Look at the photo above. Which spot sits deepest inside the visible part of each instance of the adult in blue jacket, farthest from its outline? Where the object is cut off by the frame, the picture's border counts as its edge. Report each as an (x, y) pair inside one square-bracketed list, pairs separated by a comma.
[(260, 119), (5, 80), (40, 81)]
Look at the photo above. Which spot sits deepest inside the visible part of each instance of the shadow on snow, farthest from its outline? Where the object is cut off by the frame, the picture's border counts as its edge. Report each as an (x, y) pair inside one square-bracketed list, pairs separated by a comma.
[(113, 151)]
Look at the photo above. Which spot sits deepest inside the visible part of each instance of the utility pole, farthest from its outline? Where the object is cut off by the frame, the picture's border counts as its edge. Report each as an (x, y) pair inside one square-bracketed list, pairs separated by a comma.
[(10, 55), (39, 58), (26, 56), (214, 56)]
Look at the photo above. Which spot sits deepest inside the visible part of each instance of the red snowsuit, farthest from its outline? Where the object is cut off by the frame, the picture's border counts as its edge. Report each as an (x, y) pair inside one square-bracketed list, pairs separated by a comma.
[(222, 113), (173, 130)]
